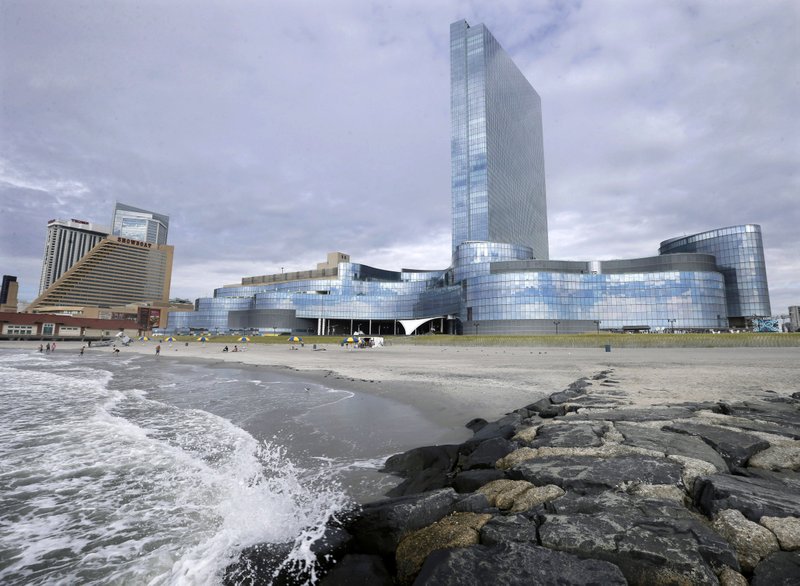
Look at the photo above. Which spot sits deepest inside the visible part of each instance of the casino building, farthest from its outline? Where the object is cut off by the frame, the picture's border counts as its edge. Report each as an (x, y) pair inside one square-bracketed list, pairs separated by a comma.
[(90, 273), (501, 280)]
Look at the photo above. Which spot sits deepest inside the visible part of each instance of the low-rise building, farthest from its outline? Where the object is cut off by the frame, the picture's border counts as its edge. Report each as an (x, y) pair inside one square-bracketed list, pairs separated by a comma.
[(37, 326)]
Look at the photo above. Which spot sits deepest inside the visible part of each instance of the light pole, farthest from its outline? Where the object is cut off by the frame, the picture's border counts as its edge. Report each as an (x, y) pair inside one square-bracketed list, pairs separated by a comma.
[(556, 322), (597, 325), (672, 322), (476, 329)]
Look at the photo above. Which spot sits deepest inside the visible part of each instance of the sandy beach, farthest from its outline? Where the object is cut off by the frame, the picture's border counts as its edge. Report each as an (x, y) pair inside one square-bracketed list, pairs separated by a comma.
[(455, 384)]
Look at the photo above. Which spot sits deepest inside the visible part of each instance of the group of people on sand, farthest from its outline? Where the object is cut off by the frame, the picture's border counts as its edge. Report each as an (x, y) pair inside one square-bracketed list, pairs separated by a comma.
[(48, 348), (235, 348)]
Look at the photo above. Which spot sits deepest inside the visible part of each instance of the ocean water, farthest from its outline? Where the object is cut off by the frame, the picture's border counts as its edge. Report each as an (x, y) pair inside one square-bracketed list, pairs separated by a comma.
[(143, 470)]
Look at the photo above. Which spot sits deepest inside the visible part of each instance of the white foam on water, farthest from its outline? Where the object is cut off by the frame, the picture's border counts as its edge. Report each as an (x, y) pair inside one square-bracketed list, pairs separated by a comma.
[(101, 486)]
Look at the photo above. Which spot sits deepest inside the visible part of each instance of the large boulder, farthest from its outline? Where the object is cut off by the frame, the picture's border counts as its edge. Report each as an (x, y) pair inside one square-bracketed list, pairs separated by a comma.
[(779, 416), (635, 414), (380, 526), (783, 456), (586, 473), (512, 564), (456, 530), (503, 529), (754, 497), (735, 447), (569, 435), (486, 454), (786, 529), (751, 541), (652, 543), (670, 443), (424, 469), (780, 569), (358, 570), (472, 480), (518, 495)]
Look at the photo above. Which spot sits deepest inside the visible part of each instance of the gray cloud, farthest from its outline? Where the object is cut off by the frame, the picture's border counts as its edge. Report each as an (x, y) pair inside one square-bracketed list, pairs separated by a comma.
[(274, 133)]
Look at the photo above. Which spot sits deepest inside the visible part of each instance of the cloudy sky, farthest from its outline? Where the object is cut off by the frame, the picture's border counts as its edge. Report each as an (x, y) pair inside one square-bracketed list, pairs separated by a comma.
[(273, 132)]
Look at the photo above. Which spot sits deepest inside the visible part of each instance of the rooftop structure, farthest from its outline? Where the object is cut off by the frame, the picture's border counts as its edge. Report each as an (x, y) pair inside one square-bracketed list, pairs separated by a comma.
[(139, 224)]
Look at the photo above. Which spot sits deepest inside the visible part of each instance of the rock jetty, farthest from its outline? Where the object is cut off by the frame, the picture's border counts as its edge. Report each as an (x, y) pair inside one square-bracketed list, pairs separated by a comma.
[(578, 488)]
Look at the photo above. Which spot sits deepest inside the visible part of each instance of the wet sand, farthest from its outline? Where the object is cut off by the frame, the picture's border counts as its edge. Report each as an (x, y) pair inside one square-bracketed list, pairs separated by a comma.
[(452, 385)]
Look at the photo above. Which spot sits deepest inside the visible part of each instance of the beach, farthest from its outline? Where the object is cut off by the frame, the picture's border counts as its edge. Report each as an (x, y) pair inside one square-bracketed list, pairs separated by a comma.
[(451, 385), (174, 464)]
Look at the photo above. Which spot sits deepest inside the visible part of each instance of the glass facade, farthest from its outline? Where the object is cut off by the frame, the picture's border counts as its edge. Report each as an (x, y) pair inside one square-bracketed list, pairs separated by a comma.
[(497, 152), (739, 251), (500, 279), (138, 224)]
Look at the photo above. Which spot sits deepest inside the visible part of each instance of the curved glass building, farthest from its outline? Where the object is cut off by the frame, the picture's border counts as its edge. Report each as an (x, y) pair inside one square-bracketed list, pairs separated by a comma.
[(501, 279), (739, 251)]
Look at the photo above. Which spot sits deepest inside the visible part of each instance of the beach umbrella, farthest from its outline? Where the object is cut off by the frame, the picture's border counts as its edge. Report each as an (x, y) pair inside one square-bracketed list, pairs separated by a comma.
[(143, 338), (350, 340), (295, 339), (170, 339), (243, 339), (202, 339)]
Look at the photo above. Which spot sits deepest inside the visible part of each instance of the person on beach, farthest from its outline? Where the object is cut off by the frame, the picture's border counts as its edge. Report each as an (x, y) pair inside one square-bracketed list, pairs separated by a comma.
[(116, 351), (225, 349), (235, 348), (158, 350), (53, 347), (82, 349), (47, 348), (41, 348)]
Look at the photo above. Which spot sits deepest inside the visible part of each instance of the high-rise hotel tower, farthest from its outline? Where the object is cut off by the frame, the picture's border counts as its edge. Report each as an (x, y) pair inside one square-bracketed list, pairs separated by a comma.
[(497, 150)]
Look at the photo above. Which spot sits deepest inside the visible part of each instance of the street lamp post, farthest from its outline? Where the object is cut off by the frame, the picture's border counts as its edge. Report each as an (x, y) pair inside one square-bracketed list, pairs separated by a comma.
[(476, 329), (672, 323), (597, 325), (556, 322)]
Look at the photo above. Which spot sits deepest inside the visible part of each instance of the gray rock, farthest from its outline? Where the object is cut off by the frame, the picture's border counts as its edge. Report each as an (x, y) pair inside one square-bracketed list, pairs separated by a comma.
[(539, 405), (381, 525), (780, 569), (566, 395), (475, 425), (565, 435), (263, 563), (419, 459), (751, 541), (424, 469), (649, 549), (735, 447), (670, 443), (512, 564), (475, 503), (492, 430), (778, 457), (786, 529), (472, 480), (516, 528), (784, 413), (754, 497), (586, 473), (649, 414), (358, 570), (487, 453), (513, 419)]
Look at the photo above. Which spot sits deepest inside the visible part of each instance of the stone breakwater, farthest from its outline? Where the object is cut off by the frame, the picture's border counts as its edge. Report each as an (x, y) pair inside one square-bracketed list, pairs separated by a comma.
[(578, 489)]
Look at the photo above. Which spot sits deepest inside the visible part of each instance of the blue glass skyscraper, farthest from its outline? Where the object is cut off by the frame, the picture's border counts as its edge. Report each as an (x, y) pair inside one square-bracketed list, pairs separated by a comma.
[(501, 280), (497, 152)]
